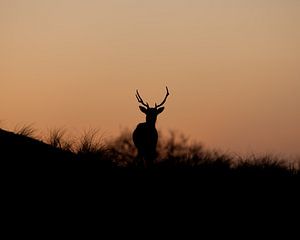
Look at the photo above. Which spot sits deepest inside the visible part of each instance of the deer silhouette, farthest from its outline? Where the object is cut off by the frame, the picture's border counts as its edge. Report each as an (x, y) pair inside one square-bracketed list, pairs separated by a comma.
[(145, 135)]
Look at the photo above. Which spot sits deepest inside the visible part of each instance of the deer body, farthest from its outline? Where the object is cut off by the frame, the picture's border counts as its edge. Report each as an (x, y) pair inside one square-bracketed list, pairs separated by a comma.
[(145, 135), (145, 139)]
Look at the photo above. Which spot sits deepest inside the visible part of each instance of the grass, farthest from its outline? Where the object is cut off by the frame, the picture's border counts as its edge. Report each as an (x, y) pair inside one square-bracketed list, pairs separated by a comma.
[(175, 153), (26, 130)]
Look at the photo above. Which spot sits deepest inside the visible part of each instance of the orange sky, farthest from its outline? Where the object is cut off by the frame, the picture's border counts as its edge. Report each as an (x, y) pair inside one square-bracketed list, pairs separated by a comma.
[(232, 67)]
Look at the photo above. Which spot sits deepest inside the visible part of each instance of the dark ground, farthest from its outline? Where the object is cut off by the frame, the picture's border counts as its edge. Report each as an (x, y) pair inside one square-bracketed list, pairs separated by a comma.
[(43, 182)]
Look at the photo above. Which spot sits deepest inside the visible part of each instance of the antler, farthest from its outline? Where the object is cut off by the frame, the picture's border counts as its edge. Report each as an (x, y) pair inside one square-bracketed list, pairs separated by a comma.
[(140, 100), (163, 102)]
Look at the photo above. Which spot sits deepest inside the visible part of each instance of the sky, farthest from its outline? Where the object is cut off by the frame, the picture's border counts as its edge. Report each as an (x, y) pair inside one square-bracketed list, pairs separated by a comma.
[(232, 68)]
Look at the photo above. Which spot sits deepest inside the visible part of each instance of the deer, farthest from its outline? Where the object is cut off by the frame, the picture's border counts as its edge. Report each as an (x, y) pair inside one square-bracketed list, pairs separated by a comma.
[(145, 135)]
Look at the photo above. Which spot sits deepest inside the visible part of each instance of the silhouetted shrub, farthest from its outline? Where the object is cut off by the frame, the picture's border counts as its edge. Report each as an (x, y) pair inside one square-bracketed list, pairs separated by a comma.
[(56, 139), (263, 165), (26, 130), (122, 150), (91, 147)]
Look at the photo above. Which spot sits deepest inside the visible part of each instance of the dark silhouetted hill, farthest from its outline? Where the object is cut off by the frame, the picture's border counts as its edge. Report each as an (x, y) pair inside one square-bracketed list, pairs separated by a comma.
[(19, 149)]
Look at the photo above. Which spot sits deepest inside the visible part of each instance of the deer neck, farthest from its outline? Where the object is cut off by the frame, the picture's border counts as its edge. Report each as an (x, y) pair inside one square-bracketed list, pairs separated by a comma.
[(151, 123)]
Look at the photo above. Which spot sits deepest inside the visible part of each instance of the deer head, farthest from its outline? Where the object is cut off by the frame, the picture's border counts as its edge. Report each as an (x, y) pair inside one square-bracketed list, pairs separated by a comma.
[(151, 113)]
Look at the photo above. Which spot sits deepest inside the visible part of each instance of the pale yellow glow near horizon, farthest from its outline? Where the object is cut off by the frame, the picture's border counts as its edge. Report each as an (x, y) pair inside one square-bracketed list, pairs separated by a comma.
[(232, 68)]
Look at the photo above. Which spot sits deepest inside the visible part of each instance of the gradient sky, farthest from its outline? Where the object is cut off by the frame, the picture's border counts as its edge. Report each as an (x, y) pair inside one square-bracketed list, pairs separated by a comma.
[(232, 67)]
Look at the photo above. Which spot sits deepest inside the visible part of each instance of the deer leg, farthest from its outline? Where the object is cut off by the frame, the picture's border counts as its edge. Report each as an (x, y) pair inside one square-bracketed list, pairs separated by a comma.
[(139, 162)]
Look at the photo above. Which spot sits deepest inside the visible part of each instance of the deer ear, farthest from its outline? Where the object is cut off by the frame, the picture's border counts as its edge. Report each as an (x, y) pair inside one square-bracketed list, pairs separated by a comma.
[(160, 110), (143, 109)]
